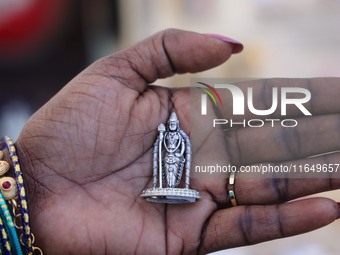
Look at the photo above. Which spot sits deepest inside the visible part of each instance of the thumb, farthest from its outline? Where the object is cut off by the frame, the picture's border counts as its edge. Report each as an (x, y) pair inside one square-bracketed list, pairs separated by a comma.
[(164, 54)]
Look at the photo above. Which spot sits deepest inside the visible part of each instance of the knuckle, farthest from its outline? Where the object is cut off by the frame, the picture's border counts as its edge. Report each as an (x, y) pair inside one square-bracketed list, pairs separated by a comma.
[(245, 225), (291, 141), (280, 186), (279, 224), (233, 147)]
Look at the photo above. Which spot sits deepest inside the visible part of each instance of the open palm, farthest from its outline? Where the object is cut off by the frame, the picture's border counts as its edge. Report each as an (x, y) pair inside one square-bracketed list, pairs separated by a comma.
[(87, 156)]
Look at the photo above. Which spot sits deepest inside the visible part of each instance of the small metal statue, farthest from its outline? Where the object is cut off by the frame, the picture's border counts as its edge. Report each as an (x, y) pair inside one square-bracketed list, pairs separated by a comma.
[(172, 153)]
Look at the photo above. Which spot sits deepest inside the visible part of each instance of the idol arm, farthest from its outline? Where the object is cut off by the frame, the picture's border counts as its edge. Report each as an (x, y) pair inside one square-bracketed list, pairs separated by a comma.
[(182, 147), (187, 158)]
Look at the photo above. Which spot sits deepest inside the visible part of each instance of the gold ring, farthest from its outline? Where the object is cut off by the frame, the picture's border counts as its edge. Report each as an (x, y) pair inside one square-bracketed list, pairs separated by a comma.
[(231, 189)]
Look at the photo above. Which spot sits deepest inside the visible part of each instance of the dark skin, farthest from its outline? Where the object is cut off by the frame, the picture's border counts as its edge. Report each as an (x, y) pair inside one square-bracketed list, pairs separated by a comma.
[(87, 156)]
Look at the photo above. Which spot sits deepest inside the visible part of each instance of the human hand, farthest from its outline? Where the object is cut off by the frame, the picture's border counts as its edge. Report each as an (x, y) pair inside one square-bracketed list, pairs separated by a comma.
[(87, 156)]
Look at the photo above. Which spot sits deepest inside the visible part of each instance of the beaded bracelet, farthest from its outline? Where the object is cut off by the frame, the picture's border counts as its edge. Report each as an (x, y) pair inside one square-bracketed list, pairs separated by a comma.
[(27, 238), (6, 246), (9, 237), (9, 226)]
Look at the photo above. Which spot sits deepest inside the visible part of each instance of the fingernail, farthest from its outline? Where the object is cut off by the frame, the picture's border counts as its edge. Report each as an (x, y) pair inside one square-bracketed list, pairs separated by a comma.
[(338, 212), (238, 47)]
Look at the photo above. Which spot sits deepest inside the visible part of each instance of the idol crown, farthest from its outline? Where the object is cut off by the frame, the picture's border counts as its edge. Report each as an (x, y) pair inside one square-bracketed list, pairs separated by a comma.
[(173, 117)]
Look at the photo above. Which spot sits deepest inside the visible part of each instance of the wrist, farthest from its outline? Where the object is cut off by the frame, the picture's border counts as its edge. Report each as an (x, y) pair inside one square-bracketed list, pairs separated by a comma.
[(18, 200)]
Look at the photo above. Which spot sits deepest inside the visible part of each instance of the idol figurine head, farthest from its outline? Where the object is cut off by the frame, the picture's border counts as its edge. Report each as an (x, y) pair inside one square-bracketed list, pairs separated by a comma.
[(173, 122)]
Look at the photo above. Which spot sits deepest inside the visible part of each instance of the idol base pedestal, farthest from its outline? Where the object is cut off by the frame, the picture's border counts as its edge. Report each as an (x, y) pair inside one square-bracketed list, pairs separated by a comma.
[(171, 195)]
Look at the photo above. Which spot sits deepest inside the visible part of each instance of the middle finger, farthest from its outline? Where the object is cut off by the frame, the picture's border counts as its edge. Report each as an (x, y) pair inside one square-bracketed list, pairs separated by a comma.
[(312, 136)]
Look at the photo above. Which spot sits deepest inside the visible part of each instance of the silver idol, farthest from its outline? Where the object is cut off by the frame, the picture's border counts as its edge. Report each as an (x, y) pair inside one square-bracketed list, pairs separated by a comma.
[(172, 153)]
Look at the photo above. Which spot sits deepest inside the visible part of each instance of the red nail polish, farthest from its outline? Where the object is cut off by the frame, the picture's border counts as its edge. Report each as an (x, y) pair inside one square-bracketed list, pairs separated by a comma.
[(338, 212), (238, 47)]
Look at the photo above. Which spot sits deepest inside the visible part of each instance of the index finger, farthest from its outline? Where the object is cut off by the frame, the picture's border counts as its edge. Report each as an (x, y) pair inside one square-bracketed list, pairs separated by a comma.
[(325, 93)]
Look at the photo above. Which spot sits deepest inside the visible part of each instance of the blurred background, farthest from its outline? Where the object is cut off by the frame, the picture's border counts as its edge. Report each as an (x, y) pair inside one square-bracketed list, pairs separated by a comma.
[(44, 44)]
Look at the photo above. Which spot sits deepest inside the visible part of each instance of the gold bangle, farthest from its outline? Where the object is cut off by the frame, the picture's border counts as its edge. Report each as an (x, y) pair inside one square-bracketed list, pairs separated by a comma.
[(231, 191)]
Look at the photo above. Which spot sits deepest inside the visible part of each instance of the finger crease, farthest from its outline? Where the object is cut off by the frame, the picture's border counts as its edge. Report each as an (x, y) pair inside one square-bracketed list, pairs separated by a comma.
[(203, 233), (244, 225), (281, 191), (278, 219)]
